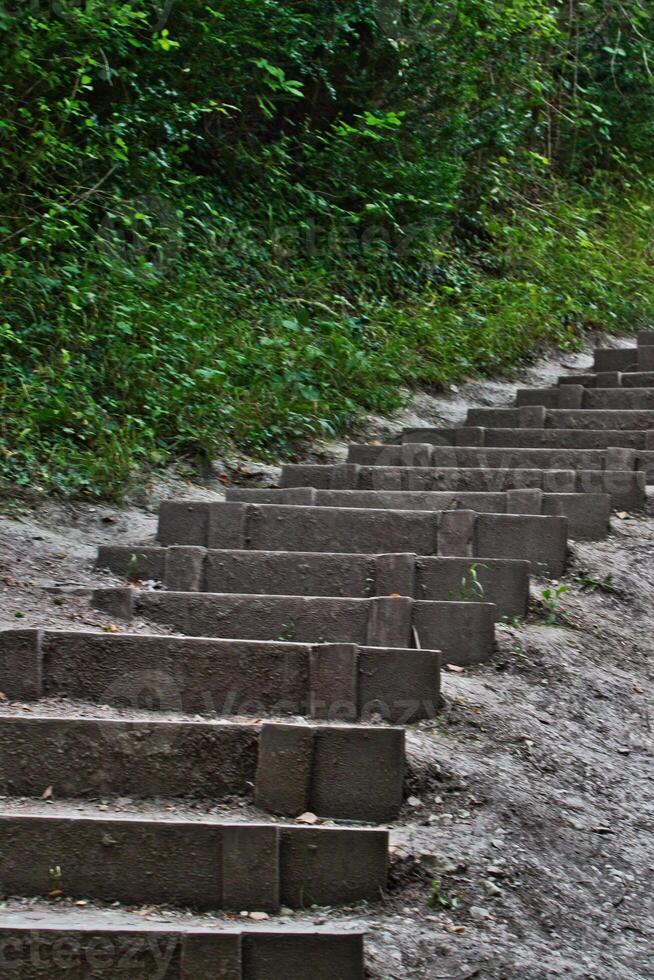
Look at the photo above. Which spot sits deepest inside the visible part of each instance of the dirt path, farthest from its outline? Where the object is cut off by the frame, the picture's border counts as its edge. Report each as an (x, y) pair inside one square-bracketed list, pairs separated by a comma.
[(526, 847)]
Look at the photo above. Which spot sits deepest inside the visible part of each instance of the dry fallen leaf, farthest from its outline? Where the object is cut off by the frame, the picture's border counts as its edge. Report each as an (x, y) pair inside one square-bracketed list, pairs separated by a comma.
[(455, 668), (56, 893), (3, 696), (601, 830), (638, 689), (111, 628), (623, 515), (452, 928), (47, 793), (259, 916), (307, 818)]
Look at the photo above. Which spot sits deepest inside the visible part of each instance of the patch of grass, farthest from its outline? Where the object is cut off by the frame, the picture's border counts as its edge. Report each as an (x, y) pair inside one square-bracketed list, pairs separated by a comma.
[(441, 897)]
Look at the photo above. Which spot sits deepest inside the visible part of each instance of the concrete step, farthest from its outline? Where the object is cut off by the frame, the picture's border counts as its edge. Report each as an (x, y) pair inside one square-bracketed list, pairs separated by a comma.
[(67, 944), (588, 513), (463, 631), (627, 359), (610, 379), (222, 677), (503, 582), (577, 396), (609, 471), (201, 864), (626, 488), (537, 416), (529, 438), (615, 359), (343, 772), (459, 534)]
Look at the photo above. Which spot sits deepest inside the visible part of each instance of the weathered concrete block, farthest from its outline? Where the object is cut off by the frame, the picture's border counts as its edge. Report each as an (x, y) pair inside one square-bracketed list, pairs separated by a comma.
[(133, 562), (334, 681), (286, 528), (323, 866), (396, 575), (78, 945), (618, 458), (21, 664), (456, 533), (250, 871), (563, 438), (185, 568), (645, 359), (618, 359), (319, 573), (524, 501), (635, 379), (645, 338), (504, 583), (544, 547), (566, 396), (207, 865), (585, 516), (212, 956), (116, 757), (230, 677), (327, 955), (293, 768), (283, 779), (377, 757), (382, 621), (522, 458), (588, 514)]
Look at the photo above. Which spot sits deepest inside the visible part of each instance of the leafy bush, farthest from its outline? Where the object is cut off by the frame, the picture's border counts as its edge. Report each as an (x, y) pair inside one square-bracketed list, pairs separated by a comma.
[(244, 225)]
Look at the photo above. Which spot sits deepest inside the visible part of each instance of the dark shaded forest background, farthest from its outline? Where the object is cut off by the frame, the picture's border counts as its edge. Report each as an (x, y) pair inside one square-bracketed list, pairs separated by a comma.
[(240, 224)]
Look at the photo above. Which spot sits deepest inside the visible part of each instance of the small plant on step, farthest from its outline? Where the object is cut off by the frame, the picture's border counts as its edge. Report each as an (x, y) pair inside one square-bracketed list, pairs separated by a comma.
[(133, 567), (56, 876), (589, 584), (551, 605), (439, 896), (471, 589)]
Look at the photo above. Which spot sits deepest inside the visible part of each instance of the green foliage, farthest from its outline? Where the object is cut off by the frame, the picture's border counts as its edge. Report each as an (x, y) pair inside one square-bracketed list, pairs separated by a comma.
[(441, 897), (243, 225), (550, 601)]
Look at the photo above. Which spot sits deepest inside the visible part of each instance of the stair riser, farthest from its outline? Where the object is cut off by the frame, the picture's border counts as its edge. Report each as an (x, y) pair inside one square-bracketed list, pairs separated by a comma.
[(194, 676), (510, 437), (35, 951), (540, 540), (535, 416), (610, 379), (463, 631), (628, 359), (204, 866), (621, 359), (345, 773), (591, 399), (626, 488), (588, 514), (190, 569)]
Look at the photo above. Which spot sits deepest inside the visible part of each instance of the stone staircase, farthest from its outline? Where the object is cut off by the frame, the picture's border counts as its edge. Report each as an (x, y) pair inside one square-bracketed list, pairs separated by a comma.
[(295, 631)]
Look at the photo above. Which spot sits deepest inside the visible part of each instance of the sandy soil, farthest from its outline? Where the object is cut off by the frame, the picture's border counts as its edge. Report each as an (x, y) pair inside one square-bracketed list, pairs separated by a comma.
[(526, 846)]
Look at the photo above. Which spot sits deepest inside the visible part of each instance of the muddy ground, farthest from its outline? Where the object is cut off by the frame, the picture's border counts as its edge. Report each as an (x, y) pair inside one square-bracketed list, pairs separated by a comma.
[(526, 846)]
